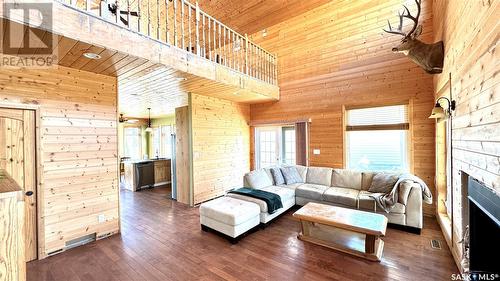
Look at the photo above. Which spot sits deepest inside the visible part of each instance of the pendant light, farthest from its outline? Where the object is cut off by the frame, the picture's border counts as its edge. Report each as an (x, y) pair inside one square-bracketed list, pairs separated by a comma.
[(149, 129)]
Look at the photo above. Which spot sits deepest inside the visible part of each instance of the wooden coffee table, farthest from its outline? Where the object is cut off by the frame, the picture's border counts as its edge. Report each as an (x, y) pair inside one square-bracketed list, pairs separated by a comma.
[(350, 231)]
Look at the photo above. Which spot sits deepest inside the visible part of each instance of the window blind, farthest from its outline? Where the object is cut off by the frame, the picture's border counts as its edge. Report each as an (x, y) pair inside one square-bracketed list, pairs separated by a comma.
[(384, 115)]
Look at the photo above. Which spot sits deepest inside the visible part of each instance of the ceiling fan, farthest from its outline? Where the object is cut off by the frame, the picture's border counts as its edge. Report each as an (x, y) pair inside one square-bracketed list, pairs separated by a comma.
[(126, 120), (113, 7)]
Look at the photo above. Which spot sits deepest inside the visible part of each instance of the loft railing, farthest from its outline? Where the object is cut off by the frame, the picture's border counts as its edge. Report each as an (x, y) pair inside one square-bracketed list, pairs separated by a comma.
[(184, 25)]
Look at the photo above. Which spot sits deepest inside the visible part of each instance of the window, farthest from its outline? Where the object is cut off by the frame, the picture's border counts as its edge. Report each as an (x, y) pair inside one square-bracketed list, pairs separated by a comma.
[(288, 139), (132, 142), (162, 141), (166, 133), (156, 141), (274, 146), (377, 138)]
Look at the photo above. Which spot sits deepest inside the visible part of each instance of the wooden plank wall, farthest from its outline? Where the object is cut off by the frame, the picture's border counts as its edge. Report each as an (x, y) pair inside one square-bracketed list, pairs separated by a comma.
[(470, 32), (337, 55), (183, 155), (221, 143), (78, 149)]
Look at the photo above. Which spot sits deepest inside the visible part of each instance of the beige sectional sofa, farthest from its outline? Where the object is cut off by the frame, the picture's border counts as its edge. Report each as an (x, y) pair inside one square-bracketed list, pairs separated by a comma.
[(346, 188)]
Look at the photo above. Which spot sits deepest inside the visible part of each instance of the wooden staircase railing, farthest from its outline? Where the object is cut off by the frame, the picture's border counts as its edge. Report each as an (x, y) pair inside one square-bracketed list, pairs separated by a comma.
[(184, 25)]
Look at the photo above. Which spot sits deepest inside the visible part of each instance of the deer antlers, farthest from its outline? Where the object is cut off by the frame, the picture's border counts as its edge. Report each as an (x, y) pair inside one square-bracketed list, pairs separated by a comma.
[(406, 14)]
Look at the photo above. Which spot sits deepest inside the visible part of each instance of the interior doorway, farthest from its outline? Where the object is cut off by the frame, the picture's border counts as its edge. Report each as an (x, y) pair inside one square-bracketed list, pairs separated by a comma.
[(18, 160)]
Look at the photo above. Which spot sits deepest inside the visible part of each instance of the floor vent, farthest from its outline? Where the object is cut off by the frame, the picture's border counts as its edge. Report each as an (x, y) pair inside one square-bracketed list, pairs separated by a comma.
[(55, 252), (105, 235), (80, 241), (436, 244)]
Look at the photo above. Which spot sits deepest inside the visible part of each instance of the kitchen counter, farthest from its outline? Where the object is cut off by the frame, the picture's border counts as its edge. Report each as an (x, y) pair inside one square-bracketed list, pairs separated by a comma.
[(157, 174)]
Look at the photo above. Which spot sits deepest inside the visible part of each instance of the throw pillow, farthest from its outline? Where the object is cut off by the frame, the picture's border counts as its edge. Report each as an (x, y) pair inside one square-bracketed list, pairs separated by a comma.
[(258, 179), (277, 176), (291, 175), (383, 182)]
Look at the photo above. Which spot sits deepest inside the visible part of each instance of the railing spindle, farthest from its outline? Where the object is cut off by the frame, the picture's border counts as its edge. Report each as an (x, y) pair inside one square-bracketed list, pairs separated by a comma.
[(117, 12), (128, 13), (167, 31), (158, 28), (189, 29), (225, 46), (182, 26), (209, 35), (220, 46), (197, 29), (139, 16), (215, 42), (149, 18), (87, 5), (204, 42), (175, 24)]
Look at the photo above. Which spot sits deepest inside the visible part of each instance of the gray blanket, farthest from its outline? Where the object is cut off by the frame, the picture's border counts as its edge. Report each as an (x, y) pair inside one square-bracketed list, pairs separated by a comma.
[(386, 201)]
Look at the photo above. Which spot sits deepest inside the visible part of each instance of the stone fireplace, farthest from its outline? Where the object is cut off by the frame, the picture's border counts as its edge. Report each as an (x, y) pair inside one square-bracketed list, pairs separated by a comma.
[(484, 230)]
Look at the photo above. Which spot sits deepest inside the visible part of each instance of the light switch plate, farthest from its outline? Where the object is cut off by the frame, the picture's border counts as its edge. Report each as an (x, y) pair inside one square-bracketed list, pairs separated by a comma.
[(316, 152)]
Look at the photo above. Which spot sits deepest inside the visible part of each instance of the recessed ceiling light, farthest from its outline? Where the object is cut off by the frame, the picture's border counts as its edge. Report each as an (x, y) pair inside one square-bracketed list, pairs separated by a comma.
[(264, 33), (92, 56), (181, 78)]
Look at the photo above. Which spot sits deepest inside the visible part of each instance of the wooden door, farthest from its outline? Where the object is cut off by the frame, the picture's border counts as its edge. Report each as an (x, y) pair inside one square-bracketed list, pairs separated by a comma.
[(17, 158)]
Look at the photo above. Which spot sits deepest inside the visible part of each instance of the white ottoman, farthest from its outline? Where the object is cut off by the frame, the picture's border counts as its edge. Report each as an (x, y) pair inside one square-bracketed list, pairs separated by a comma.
[(229, 216)]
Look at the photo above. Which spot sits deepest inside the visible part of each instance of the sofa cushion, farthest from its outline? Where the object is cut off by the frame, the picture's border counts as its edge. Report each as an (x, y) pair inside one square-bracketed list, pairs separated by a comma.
[(292, 186), (283, 192), (346, 178), (302, 172), (319, 175), (258, 179), (383, 182), (366, 180), (343, 196), (291, 175), (366, 202), (230, 211), (311, 191), (277, 176)]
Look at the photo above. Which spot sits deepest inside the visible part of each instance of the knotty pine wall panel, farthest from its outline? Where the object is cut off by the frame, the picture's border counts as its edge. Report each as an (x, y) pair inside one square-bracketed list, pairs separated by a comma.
[(221, 144), (470, 32), (337, 55), (78, 149)]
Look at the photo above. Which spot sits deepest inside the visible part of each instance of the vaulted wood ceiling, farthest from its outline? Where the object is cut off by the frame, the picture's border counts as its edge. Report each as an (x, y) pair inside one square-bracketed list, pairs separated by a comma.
[(250, 16)]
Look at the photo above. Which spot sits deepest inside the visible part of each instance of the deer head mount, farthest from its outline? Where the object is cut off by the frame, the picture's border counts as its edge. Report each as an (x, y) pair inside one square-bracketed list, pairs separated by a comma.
[(428, 56)]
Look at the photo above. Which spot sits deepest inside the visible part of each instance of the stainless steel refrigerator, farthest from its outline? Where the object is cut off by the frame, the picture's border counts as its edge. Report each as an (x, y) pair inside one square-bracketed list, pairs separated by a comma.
[(173, 169)]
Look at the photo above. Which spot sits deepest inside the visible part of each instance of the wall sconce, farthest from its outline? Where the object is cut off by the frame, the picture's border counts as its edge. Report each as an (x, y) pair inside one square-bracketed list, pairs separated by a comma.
[(438, 112)]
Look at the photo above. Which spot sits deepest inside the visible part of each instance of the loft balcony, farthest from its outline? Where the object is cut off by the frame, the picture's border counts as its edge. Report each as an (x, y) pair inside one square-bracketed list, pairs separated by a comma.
[(155, 48)]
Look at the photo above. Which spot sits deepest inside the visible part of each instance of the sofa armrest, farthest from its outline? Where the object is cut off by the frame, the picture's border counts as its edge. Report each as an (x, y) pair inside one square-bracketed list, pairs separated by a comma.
[(404, 189), (414, 214)]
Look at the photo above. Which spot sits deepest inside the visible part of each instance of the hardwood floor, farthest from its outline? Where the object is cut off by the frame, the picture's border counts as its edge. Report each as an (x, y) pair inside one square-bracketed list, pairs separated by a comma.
[(161, 240)]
